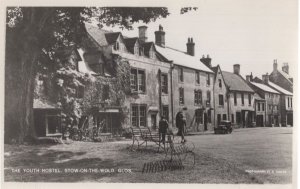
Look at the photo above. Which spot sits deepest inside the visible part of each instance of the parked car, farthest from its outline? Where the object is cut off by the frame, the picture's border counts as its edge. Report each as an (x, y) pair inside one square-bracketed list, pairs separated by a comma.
[(224, 127)]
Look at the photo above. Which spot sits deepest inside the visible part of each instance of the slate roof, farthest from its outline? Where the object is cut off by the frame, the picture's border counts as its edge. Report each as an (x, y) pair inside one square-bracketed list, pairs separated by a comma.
[(214, 69), (280, 89), (236, 82), (130, 42), (264, 87), (97, 34), (182, 59), (286, 76), (112, 37)]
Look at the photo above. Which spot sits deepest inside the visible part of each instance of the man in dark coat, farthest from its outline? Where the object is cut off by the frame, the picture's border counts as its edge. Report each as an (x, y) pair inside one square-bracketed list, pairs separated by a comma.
[(180, 124), (163, 126)]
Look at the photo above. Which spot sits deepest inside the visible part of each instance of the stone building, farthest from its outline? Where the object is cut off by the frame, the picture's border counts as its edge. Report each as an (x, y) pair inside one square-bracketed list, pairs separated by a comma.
[(271, 106), (221, 101), (282, 77), (163, 81), (286, 104), (241, 98)]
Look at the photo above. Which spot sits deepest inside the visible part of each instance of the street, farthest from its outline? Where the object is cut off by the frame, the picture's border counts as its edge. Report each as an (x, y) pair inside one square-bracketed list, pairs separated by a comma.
[(250, 155)]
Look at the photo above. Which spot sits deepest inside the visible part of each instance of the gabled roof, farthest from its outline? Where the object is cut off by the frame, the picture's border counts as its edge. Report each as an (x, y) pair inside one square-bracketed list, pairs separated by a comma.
[(236, 82), (97, 34), (264, 87), (214, 69), (286, 76), (182, 59), (112, 37), (280, 89), (130, 42)]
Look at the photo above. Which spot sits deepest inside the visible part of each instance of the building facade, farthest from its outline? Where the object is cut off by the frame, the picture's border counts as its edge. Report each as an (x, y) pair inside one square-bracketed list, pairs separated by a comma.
[(282, 77), (241, 99)]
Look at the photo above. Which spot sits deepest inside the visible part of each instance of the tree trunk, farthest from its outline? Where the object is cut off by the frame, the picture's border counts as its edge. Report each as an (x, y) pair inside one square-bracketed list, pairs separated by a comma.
[(19, 88), (22, 52)]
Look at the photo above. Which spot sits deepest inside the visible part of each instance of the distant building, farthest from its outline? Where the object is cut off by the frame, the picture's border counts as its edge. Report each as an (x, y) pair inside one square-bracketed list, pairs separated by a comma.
[(282, 77), (241, 98), (221, 96), (271, 106)]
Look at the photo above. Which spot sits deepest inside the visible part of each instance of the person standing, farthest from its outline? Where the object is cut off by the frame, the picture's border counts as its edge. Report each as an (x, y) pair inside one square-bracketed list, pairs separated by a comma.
[(163, 126), (180, 124)]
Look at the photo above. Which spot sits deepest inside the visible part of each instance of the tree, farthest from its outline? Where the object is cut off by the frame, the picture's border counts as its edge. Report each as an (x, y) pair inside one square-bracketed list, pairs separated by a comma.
[(34, 34)]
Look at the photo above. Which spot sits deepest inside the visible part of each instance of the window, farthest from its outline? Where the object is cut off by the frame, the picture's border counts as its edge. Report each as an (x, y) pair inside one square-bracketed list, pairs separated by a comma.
[(199, 116), (164, 83), (263, 106), (181, 96), (80, 91), (208, 79), (242, 96), (270, 107), (220, 83), (221, 100), (224, 116), (258, 106), (219, 119), (232, 118), (209, 116), (138, 115), (198, 97), (238, 117), (181, 74), (235, 101), (197, 77), (208, 98), (165, 112), (141, 51), (291, 102), (116, 46), (249, 99), (53, 124), (105, 94), (137, 80), (136, 49), (288, 102)]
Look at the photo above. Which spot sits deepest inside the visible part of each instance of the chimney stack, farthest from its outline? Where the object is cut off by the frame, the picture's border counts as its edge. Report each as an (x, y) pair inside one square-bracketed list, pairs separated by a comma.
[(275, 65), (160, 37), (143, 34), (285, 68), (236, 69), (206, 61), (265, 78), (249, 77), (190, 47)]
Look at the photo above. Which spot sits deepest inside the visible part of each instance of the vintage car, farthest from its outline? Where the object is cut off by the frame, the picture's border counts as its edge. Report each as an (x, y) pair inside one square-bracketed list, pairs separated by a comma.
[(224, 127)]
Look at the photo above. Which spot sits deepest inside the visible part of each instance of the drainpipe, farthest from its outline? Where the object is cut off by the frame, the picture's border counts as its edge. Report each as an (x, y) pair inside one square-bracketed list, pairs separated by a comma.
[(159, 93), (171, 85)]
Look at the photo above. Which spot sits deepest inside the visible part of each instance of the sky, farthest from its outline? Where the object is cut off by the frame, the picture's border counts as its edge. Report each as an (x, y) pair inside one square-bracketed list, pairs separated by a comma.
[(251, 33)]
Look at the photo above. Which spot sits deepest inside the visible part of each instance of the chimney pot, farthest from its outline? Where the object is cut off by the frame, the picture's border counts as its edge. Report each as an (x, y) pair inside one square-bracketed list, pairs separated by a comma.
[(190, 47), (143, 34), (236, 69), (285, 68), (160, 37)]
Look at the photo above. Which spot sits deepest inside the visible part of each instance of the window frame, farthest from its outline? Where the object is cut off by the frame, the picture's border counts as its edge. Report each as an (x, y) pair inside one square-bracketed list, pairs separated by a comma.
[(136, 79), (181, 96), (198, 97), (197, 77), (164, 85), (181, 75), (221, 104), (138, 116)]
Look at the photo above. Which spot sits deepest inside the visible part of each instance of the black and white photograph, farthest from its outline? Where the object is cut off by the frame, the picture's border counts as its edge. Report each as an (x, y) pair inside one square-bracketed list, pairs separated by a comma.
[(177, 93)]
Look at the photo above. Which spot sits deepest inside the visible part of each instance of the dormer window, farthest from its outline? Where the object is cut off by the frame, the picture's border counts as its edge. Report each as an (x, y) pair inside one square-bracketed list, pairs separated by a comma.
[(117, 46), (136, 50), (141, 51)]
